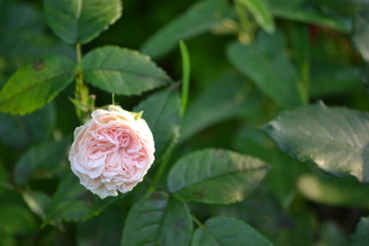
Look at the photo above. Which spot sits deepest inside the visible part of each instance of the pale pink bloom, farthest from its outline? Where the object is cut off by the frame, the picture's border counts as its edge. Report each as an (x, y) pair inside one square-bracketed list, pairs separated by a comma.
[(112, 151)]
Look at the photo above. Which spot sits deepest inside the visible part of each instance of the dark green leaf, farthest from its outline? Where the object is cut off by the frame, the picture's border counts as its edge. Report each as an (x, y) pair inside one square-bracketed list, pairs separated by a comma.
[(72, 202), (216, 176), (20, 131), (262, 14), (77, 21), (263, 212), (122, 71), (361, 34), (311, 16), (361, 235), (198, 19), (43, 157), (18, 17), (35, 84), (16, 219), (105, 229), (227, 231), (29, 44), (269, 68), (285, 170), (228, 97), (159, 221), (329, 79), (331, 234), (161, 112), (336, 139)]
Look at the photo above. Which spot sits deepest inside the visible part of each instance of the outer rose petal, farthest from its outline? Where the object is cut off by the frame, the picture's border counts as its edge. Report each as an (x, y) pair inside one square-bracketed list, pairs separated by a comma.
[(112, 151)]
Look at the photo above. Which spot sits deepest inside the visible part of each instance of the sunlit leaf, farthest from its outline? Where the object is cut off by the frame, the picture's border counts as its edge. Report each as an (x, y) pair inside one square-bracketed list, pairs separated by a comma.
[(76, 21), (336, 139), (216, 176), (161, 112), (227, 231), (163, 221), (122, 71), (35, 84)]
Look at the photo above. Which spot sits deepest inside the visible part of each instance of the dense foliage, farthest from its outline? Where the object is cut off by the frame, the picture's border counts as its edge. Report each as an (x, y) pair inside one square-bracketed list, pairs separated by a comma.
[(257, 108)]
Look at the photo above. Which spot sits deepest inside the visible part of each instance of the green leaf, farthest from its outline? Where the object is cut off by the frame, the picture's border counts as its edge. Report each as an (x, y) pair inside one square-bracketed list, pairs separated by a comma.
[(216, 176), (218, 103), (122, 71), (361, 235), (262, 14), (16, 219), (161, 112), (311, 16), (361, 34), (72, 202), (77, 21), (331, 234), (36, 201), (105, 229), (20, 131), (336, 139), (162, 220), (198, 19), (269, 68), (333, 191), (43, 157), (227, 231), (35, 84)]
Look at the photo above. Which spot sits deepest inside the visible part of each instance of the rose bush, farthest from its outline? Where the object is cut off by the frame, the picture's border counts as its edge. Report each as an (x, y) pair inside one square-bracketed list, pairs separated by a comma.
[(112, 151)]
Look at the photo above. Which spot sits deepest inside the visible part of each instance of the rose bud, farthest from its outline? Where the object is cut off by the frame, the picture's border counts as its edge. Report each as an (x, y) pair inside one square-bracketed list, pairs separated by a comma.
[(112, 151)]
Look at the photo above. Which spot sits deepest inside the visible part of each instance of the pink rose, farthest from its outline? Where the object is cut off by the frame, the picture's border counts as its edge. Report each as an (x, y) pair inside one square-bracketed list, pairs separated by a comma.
[(112, 151)]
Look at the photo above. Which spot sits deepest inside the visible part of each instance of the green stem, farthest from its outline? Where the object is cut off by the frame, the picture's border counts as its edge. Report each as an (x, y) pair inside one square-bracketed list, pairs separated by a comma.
[(164, 162), (246, 25), (81, 92), (186, 70)]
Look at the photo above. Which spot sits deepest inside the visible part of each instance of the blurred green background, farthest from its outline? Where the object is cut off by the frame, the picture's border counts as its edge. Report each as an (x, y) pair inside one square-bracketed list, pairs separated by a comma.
[(297, 205)]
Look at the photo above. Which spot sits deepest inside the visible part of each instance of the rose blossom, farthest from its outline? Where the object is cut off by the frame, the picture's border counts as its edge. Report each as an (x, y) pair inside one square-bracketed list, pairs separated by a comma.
[(112, 151)]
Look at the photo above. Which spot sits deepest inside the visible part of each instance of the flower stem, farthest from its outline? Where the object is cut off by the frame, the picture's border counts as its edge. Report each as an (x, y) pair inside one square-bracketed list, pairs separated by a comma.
[(81, 91), (164, 161)]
